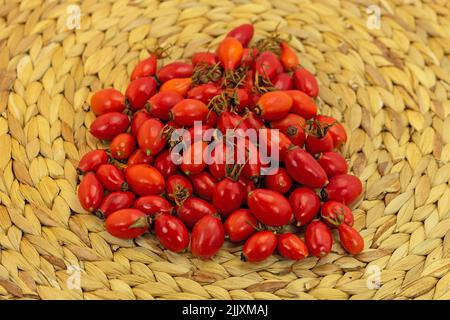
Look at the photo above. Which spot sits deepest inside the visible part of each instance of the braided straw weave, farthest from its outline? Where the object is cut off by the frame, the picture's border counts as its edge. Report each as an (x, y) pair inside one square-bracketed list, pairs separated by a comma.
[(390, 87)]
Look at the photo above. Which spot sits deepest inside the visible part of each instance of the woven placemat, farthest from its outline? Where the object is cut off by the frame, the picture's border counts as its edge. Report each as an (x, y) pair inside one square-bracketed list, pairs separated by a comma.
[(388, 80)]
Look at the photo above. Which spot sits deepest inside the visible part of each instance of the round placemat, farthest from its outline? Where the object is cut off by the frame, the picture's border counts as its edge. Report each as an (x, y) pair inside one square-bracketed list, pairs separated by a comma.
[(383, 68)]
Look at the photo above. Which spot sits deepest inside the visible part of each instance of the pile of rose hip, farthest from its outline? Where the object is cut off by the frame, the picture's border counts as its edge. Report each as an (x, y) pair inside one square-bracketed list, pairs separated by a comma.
[(137, 187)]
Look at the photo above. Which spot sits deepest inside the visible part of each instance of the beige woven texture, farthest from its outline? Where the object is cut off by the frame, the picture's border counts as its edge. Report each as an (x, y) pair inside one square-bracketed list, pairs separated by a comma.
[(390, 87)]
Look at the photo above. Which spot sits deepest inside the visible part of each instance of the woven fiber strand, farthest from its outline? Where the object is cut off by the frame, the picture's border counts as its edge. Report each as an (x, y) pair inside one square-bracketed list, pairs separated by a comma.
[(390, 87)]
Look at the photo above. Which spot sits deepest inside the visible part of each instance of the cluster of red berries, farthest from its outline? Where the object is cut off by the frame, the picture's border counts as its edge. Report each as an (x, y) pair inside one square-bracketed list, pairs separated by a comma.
[(137, 186)]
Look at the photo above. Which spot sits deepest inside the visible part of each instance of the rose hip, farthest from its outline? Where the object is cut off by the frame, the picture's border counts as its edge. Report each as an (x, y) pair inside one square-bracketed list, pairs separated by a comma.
[(107, 100), (240, 225), (90, 192), (92, 160), (318, 238), (109, 125), (305, 205), (161, 103), (111, 178), (335, 213), (333, 163), (174, 70), (145, 68), (127, 223), (292, 247), (350, 239), (207, 237), (122, 146), (259, 246), (344, 188), (171, 232), (115, 201), (139, 91), (152, 205), (193, 209)]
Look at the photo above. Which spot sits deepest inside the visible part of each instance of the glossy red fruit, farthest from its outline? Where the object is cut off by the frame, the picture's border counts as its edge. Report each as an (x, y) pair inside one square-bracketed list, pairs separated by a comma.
[(292, 247), (254, 100), (259, 246), (209, 58), (127, 223), (165, 165), (145, 68), (152, 205), (187, 111), (193, 160), (92, 160), (293, 126), (333, 163), (248, 186), (318, 238), (317, 143), (111, 178), (240, 99), (211, 119), (144, 180), (288, 58), (138, 119), (90, 192), (107, 100), (270, 207), (109, 125), (283, 81), (240, 225), (115, 201), (207, 237), (220, 161), (151, 138), (273, 105), (305, 204), (230, 121), (171, 232), (242, 33), (204, 92), (350, 239), (278, 180), (193, 209), (306, 82), (303, 168), (335, 213), (230, 53), (248, 56), (174, 70), (267, 65), (335, 129), (139, 91), (122, 146), (228, 196), (302, 104), (253, 121), (178, 85), (204, 184), (139, 156), (161, 103), (178, 188), (344, 188)]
